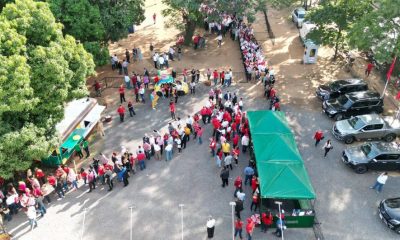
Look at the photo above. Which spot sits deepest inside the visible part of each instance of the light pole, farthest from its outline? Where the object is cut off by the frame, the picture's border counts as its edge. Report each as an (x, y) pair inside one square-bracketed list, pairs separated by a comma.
[(181, 206), (233, 204), (279, 216), (131, 227), (83, 222)]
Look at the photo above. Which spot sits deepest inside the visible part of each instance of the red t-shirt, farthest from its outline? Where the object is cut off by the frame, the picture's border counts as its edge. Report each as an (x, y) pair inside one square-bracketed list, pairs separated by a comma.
[(235, 139), (121, 90), (39, 173), (141, 156), (250, 227), (238, 224), (318, 135), (121, 110), (52, 180), (172, 107), (370, 66), (215, 74)]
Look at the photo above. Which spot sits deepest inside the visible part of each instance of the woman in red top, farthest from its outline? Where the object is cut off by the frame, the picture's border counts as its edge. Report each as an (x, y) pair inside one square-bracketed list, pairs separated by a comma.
[(39, 175), (236, 153), (172, 110), (266, 220), (238, 228), (222, 78), (254, 183), (121, 112), (121, 91), (238, 183), (235, 139), (249, 228), (254, 202)]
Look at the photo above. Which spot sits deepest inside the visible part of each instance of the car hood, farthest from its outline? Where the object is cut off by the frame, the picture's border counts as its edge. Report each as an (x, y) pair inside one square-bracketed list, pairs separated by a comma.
[(334, 104), (344, 127), (356, 155), (392, 211)]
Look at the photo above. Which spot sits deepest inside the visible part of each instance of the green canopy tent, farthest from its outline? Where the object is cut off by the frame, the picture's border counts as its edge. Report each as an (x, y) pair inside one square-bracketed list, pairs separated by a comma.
[(281, 171)]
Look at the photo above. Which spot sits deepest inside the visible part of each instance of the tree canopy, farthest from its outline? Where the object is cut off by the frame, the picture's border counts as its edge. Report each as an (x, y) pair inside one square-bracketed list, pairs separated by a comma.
[(191, 13), (41, 70), (379, 30), (334, 19)]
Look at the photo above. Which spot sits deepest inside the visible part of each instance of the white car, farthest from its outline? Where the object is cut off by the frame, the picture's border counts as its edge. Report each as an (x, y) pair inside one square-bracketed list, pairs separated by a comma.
[(298, 16)]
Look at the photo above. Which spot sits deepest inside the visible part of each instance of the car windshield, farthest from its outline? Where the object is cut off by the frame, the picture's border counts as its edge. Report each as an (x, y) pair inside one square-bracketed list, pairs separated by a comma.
[(356, 123), (336, 84), (393, 203), (367, 150), (344, 101), (301, 15)]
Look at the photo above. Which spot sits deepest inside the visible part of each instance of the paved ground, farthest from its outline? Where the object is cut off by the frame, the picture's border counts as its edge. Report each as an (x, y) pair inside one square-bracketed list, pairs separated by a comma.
[(345, 206)]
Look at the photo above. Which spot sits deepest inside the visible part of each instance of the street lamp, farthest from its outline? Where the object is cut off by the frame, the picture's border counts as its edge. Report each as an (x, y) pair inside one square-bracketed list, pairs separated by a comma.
[(233, 204), (131, 227), (279, 216), (181, 206), (83, 222)]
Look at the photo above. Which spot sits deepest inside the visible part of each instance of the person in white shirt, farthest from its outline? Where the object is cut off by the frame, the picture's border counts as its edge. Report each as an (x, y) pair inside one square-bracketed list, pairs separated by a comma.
[(380, 181), (210, 227), (240, 195), (168, 152), (31, 213), (219, 38), (245, 142), (155, 60), (241, 104), (161, 61)]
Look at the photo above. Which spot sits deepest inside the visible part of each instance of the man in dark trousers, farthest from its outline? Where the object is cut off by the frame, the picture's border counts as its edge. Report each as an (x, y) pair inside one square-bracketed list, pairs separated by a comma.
[(238, 207), (224, 176)]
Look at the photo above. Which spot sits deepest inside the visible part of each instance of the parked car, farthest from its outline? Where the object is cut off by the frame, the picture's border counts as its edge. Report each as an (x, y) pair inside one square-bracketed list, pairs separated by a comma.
[(389, 212), (380, 156), (340, 87), (353, 104), (306, 28), (298, 16), (366, 127)]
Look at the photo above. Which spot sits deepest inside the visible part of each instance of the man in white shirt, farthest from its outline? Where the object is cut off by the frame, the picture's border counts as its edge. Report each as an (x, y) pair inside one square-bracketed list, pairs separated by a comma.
[(380, 181), (161, 61), (155, 60)]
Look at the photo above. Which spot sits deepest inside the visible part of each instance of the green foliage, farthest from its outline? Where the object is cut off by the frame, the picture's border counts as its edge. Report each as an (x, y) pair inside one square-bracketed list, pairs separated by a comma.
[(379, 30), (99, 51), (40, 71), (334, 19)]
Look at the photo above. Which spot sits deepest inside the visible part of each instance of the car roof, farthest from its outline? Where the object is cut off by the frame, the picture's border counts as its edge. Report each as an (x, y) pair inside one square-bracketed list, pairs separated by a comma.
[(371, 118), (351, 81), (387, 147), (363, 95), (300, 9)]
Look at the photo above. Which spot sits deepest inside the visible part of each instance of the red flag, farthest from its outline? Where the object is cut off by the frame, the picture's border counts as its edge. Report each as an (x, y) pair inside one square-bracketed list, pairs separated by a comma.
[(389, 73)]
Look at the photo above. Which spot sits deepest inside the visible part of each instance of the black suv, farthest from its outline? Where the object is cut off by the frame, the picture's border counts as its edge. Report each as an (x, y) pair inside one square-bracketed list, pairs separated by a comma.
[(340, 87), (353, 104), (389, 212)]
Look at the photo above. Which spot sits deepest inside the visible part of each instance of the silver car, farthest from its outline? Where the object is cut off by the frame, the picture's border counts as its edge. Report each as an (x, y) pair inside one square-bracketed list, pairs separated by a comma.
[(366, 127)]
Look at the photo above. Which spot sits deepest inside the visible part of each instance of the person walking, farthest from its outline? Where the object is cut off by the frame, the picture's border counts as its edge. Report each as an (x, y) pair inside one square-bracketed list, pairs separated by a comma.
[(121, 112), (31, 213), (121, 91), (245, 142), (154, 18), (131, 109), (172, 110), (238, 207), (238, 228), (168, 152), (327, 147), (226, 148), (219, 39), (213, 145), (199, 134), (210, 227), (250, 228), (91, 179), (224, 176), (318, 136), (85, 146), (109, 179), (280, 225), (228, 161), (369, 69), (380, 181), (266, 221), (248, 172), (254, 202)]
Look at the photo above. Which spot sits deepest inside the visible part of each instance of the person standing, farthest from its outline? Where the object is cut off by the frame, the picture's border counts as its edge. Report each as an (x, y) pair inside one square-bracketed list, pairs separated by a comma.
[(109, 179), (154, 18), (327, 147), (224, 176), (199, 133), (125, 67), (213, 145), (91, 179), (254, 202), (97, 88), (219, 39), (215, 77), (85, 146), (131, 109), (228, 161), (245, 142), (249, 228), (238, 207), (121, 112), (127, 55), (100, 128), (369, 69), (179, 53), (226, 148), (318, 136), (208, 74), (192, 87), (248, 172), (210, 227), (78, 151), (266, 221), (121, 91), (380, 181), (172, 110), (168, 152), (31, 213), (141, 92), (238, 228), (280, 225)]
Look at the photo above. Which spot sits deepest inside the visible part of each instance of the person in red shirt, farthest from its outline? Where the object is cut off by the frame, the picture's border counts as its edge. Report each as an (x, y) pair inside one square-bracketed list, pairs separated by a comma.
[(101, 171), (172, 110), (254, 183), (216, 124), (249, 228), (121, 112), (121, 91), (141, 156), (235, 153), (254, 202), (318, 136), (215, 76), (222, 78), (266, 221), (235, 140), (154, 18), (213, 145), (83, 174), (238, 183), (277, 106), (97, 88), (51, 180), (39, 175), (369, 69), (238, 228), (208, 114)]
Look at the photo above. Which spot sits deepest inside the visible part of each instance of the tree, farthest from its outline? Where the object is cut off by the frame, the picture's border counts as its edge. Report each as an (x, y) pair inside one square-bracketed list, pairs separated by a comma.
[(334, 20), (41, 70), (379, 31), (186, 15)]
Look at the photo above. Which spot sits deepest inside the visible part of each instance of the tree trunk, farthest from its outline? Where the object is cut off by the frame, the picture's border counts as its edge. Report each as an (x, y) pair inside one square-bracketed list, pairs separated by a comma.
[(337, 44), (189, 31)]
